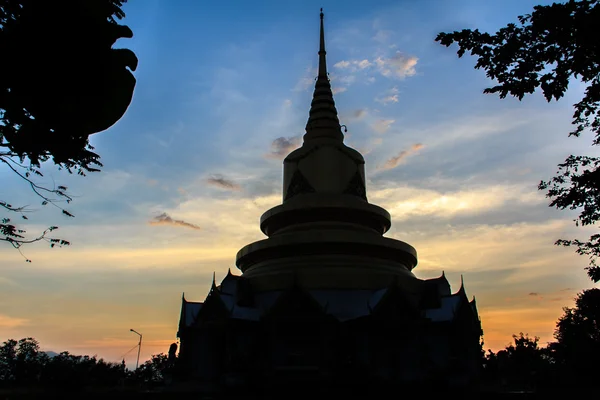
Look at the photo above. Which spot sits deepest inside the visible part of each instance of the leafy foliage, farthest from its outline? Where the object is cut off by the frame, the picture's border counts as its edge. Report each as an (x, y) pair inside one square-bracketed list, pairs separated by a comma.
[(578, 334), (548, 48), (22, 364), (54, 93), (518, 363), (577, 186), (152, 371)]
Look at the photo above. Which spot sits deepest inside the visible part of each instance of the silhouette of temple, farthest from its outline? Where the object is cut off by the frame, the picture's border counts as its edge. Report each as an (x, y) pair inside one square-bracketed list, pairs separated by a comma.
[(327, 297)]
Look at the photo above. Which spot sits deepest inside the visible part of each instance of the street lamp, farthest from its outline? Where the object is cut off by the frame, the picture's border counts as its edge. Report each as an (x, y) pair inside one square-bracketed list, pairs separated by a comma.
[(139, 347)]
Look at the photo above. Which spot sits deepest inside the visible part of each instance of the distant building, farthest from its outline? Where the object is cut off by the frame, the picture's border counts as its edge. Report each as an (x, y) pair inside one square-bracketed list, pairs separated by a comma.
[(326, 297)]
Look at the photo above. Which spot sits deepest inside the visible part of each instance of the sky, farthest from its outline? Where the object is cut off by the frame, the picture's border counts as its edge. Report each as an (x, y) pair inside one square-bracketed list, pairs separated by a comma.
[(223, 93)]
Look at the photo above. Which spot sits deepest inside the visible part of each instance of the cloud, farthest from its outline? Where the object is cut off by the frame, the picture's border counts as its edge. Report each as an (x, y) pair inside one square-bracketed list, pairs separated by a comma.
[(382, 36), (399, 65), (387, 99), (390, 96), (343, 82), (8, 322), (353, 65), (165, 219), (359, 114), (282, 146), (410, 203), (342, 64), (287, 103), (364, 64), (304, 84), (347, 79), (401, 157), (223, 183), (382, 125)]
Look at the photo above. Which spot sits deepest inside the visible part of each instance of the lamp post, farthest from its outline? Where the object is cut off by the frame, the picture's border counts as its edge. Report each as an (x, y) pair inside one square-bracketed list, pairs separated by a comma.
[(139, 347)]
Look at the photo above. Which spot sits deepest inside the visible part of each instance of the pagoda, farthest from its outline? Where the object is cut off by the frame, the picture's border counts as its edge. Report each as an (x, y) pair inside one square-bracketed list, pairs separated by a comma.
[(326, 297)]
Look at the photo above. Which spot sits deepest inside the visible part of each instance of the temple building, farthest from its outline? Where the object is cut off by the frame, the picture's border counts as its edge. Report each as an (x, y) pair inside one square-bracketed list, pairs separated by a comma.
[(327, 297)]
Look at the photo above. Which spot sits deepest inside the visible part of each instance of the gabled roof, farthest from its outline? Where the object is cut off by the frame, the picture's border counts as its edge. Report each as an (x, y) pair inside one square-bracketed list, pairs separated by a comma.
[(447, 311), (189, 312), (229, 283), (451, 305), (213, 306), (395, 303), (441, 284), (295, 300)]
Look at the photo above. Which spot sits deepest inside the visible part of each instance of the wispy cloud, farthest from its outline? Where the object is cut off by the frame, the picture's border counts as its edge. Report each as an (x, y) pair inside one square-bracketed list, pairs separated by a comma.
[(306, 81), (406, 202), (382, 36), (399, 65), (223, 183), (8, 322), (401, 157), (382, 125), (393, 98), (359, 114), (353, 65), (390, 96), (165, 219), (337, 90), (281, 146), (304, 84)]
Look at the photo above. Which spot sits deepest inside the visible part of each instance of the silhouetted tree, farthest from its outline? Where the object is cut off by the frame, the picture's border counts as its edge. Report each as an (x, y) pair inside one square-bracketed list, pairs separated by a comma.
[(21, 362), (75, 372), (521, 365), (55, 92), (8, 359), (152, 371), (552, 45), (577, 335)]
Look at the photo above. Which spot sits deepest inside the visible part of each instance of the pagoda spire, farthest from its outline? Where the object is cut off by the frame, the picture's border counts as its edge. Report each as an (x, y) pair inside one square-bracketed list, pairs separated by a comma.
[(322, 52), (323, 120)]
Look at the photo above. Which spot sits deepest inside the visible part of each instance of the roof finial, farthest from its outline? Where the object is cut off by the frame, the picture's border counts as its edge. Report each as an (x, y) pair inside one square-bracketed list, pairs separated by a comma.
[(323, 120), (214, 282)]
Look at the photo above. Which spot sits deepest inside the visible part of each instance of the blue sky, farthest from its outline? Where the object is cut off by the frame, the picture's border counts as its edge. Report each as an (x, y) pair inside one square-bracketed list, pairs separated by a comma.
[(223, 92)]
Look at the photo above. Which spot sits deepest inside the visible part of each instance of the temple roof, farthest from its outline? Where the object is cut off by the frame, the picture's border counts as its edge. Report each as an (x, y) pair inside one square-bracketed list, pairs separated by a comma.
[(441, 283), (344, 305), (229, 283), (189, 311), (447, 310)]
